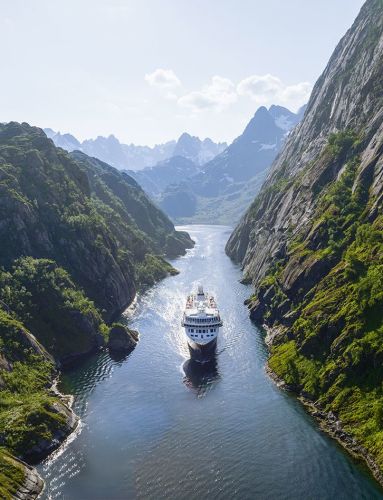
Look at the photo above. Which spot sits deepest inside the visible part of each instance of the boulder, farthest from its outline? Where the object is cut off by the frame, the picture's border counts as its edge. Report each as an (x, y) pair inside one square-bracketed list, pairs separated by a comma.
[(122, 339)]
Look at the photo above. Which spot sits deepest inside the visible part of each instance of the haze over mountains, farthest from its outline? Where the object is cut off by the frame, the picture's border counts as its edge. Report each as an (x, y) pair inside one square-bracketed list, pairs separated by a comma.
[(130, 156), (223, 188), (194, 180)]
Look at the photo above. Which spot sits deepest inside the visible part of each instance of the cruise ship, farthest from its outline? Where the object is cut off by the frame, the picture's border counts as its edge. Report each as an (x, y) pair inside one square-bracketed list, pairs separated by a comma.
[(202, 322)]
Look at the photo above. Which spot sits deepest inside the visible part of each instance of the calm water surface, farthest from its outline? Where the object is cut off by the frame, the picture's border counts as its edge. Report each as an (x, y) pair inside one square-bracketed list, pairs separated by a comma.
[(153, 427)]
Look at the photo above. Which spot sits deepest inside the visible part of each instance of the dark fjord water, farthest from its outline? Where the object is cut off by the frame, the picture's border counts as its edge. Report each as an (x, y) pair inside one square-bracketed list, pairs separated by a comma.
[(150, 431)]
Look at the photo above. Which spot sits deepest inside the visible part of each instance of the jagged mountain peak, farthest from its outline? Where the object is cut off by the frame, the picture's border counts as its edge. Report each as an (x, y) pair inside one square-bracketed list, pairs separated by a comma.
[(227, 183), (276, 110), (130, 156), (284, 118), (261, 127), (311, 242)]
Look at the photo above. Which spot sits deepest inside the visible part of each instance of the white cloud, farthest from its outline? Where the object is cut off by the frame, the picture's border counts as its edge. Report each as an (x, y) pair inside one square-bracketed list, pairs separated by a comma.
[(217, 95), (297, 95), (268, 89), (165, 78), (171, 96)]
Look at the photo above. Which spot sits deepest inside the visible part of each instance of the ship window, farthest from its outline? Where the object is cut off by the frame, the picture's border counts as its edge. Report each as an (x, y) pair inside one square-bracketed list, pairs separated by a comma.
[(201, 336), (192, 330), (211, 329)]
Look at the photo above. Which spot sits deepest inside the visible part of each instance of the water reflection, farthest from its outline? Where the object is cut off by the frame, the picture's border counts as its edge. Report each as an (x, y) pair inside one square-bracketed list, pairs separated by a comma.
[(119, 356), (140, 415), (201, 377)]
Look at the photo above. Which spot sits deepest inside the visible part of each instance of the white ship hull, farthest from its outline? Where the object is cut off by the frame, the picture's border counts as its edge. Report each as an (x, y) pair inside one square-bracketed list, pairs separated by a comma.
[(201, 321)]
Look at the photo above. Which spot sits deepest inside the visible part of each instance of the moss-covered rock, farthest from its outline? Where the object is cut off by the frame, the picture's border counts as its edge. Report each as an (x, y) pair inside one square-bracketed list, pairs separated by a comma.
[(18, 480), (121, 338), (33, 420)]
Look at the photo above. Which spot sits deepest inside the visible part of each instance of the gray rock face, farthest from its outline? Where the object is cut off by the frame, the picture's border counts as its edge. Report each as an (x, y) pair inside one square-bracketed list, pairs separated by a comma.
[(33, 484), (347, 96), (93, 220), (122, 339), (46, 446)]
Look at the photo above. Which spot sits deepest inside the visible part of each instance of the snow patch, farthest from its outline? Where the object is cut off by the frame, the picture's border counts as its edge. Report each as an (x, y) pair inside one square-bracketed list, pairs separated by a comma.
[(284, 122), (267, 146)]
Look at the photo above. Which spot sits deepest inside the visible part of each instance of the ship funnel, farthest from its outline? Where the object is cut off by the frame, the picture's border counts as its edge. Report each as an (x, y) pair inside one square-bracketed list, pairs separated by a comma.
[(200, 290)]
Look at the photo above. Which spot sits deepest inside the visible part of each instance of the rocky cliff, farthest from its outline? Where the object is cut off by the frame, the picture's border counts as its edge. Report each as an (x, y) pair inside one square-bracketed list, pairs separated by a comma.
[(78, 238), (312, 241), (33, 419), (94, 221)]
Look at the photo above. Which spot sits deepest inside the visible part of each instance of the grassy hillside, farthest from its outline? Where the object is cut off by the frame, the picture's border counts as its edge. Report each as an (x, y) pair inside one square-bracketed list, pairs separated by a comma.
[(78, 239), (312, 244), (330, 335)]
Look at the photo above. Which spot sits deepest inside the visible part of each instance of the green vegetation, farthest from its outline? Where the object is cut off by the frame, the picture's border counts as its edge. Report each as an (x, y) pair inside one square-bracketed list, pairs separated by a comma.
[(333, 349), (29, 415), (11, 475), (78, 239), (152, 269), (45, 299), (92, 220)]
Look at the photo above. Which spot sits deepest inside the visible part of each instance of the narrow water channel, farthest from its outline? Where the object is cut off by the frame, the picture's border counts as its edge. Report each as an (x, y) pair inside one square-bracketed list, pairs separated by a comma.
[(154, 428)]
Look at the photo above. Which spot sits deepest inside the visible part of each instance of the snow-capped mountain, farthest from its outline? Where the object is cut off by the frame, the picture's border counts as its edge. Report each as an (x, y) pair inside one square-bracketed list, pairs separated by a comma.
[(221, 190), (132, 157)]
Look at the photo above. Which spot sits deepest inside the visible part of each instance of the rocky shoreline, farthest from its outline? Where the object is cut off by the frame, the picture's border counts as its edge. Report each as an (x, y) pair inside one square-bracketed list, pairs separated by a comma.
[(33, 484), (328, 421), (123, 339)]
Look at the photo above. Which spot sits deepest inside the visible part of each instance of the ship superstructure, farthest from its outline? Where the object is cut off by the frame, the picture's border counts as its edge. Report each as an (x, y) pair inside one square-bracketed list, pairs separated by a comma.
[(201, 321)]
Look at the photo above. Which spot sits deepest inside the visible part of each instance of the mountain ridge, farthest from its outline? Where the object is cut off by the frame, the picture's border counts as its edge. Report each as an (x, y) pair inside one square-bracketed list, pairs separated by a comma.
[(81, 239), (224, 187), (311, 245), (133, 157)]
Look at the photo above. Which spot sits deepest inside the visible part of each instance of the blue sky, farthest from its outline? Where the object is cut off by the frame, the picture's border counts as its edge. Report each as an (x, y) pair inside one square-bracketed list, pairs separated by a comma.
[(147, 70)]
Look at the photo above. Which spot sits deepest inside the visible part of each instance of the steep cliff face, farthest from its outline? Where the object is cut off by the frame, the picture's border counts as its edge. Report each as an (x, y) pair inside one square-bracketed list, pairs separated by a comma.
[(77, 239), (346, 96), (92, 220), (312, 241)]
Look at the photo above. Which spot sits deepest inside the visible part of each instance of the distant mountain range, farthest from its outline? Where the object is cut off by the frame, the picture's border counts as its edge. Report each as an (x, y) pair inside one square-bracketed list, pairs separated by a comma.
[(132, 157), (155, 180), (196, 180), (221, 189)]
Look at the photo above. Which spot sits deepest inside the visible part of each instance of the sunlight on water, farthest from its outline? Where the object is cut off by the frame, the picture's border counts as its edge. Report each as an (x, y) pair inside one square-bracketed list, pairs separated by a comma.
[(155, 425)]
